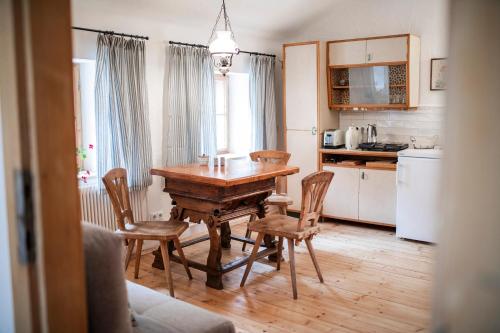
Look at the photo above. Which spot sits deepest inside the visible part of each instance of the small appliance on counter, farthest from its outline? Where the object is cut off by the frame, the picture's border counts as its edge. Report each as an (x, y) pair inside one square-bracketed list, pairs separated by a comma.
[(333, 138), (353, 137), (373, 146), (371, 133)]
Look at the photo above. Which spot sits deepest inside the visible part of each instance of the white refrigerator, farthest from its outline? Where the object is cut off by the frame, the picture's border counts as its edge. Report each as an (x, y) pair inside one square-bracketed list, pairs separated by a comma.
[(418, 194)]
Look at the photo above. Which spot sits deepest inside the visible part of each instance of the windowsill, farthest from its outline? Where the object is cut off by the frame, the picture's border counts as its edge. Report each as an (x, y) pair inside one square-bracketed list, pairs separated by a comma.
[(231, 156)]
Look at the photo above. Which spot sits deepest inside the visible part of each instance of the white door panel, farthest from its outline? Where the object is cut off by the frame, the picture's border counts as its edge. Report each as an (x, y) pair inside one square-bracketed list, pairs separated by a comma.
[(341, 200), (377, 196), (303, 147), (348, 53), (386, 49), (301, 86)]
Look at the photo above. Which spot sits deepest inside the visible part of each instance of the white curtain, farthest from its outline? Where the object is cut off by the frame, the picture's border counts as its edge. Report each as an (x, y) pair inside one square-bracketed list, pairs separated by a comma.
[(189, 105), (122, 122), (263, 102)]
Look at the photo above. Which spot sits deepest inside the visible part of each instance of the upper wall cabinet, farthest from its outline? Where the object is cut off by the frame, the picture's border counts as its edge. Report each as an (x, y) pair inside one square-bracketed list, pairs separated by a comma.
[(374, 73), (386, 49), (346, 53)]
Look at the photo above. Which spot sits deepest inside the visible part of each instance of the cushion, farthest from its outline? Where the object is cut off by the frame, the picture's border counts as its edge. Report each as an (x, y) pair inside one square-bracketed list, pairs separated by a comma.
[(106, 290), (153, 308)]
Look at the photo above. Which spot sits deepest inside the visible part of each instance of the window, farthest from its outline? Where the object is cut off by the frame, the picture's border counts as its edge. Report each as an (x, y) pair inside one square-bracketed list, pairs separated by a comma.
[(233, 116), (222, 114), (83, 90)]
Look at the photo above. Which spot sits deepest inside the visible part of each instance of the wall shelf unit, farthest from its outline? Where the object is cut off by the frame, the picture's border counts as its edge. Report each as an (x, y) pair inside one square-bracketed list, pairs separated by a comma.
[(374, 73)]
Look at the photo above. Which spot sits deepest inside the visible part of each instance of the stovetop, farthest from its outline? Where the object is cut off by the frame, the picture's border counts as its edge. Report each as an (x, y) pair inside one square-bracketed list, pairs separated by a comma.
[(383, 146)]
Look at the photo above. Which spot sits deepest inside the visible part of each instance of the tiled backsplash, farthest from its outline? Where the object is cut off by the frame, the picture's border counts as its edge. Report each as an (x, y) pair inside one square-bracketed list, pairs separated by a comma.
[(398, 126)]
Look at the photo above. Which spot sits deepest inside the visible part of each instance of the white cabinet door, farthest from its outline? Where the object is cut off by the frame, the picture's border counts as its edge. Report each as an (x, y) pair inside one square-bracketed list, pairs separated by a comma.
[(341, 200), (386, 49), (303, 147), (301, 86), (377, 196), (348, 53)]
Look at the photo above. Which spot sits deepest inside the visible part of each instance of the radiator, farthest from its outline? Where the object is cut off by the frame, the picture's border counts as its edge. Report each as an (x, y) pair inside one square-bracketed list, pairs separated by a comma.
[(97, 209)]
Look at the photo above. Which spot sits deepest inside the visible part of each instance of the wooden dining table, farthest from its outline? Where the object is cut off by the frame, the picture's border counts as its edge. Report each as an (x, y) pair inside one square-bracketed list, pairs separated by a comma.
[(215, 196)]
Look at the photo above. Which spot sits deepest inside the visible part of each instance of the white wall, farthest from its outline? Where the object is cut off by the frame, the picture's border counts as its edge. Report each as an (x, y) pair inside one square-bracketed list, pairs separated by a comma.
[(363, 18), (91, 15)]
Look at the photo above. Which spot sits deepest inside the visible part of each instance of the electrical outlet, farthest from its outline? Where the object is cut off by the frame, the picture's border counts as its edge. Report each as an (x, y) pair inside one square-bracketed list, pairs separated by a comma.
[(155, 216)]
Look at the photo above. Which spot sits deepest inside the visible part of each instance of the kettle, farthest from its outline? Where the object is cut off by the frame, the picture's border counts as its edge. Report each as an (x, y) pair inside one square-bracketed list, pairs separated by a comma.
[(352, 137), (371, 134)]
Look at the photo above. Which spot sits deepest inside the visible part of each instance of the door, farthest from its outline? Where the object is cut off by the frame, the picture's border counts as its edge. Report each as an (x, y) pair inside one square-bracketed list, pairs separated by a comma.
[(377, 196), (40, 215), (301, 88), (418, 198), (386, 49), (302, 146), (348, 53), (341, 200)]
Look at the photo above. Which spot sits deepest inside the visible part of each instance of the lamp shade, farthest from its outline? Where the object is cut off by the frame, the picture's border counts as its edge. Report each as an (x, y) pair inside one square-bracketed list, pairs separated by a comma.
[(223, 43)]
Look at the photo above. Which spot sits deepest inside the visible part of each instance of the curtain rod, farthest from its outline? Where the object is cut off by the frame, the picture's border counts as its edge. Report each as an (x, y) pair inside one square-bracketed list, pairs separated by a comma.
[(206, 47), (111, 33)]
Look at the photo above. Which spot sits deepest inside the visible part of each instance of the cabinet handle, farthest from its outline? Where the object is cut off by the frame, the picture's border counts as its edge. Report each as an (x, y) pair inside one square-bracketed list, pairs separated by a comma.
[(369, 57), (362, 175), (314, 130)]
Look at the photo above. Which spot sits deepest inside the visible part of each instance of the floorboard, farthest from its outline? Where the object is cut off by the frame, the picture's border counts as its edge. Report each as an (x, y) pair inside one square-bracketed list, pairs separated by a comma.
[(374, 282)]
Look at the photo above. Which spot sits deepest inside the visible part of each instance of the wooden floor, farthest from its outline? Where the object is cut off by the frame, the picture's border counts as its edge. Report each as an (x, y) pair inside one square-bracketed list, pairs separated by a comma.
[(374, 282)]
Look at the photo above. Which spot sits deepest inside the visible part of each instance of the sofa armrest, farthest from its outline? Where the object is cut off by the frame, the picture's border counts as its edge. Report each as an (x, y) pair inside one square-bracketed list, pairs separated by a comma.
[(157, 310)]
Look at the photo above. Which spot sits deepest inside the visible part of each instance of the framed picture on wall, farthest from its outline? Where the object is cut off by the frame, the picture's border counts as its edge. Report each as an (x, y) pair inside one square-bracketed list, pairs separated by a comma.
[(439, 69)]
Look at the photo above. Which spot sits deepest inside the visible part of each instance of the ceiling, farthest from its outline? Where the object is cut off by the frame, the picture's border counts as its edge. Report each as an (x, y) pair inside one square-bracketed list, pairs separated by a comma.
[(276, 18)]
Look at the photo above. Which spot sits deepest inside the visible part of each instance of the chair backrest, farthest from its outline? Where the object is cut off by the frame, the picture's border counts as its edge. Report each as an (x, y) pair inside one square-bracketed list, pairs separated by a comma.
[(117, 187), (314, 189), (273, 156)]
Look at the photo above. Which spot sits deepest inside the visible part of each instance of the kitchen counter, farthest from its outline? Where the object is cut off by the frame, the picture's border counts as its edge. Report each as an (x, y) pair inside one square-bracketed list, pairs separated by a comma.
[(358, 152)]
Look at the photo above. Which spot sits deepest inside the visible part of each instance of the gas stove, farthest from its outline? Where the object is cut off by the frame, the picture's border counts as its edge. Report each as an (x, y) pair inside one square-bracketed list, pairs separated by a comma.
[(383, 146)]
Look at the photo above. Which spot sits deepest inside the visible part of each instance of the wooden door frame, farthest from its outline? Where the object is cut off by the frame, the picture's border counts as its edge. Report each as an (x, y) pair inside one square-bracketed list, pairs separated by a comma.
[(41, 120)]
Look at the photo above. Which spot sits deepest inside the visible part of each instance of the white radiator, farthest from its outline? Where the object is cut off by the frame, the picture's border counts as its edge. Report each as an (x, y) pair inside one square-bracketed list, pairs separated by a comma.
[(97, 208)]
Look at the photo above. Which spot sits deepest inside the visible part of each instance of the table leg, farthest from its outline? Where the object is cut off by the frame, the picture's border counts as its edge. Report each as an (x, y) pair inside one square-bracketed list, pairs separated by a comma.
[(158, 261), (214, 267), (225, 235), (268, 239)]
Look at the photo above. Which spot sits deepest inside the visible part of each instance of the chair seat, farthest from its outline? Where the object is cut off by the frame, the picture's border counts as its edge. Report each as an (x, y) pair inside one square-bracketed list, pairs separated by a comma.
[(279, 199), (282, 225), (154, 230)]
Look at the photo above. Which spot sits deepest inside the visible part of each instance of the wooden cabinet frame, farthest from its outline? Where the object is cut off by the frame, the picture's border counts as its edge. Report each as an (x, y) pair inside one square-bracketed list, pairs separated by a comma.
[(409, 102)]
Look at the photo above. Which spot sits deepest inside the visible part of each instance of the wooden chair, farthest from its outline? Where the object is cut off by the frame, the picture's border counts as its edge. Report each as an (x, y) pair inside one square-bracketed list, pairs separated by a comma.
[(137, 232), (314, 188), (278, 199)]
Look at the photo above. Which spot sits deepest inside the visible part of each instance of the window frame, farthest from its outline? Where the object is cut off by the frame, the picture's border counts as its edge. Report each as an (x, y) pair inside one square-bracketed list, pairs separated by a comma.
[(225, 81)]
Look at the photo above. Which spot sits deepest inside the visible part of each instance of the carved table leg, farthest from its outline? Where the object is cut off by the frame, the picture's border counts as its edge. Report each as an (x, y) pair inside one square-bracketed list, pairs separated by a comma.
[(225, 235), (158, 261), (214, 267), (268, 239)]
